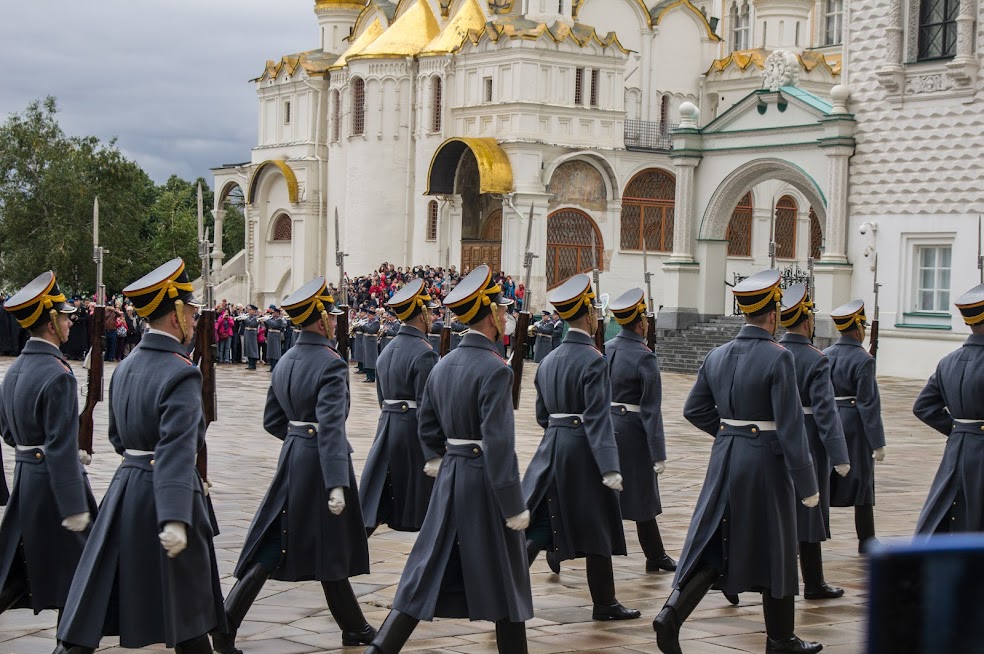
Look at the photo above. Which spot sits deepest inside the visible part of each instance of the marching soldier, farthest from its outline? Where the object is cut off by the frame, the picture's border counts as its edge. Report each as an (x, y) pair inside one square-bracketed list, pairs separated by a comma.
[(852, 371), (458, 330), (543, 345), (637, 416), (823, 432), (309, 524), (558, 325), (394, 489), (148, 572), (275, 328), (952, 403), (746, 398), (370, 347), (468, 561), (358, 342), (390, 329), (436, 327), (251, 343), (571, 483), (48, 512)]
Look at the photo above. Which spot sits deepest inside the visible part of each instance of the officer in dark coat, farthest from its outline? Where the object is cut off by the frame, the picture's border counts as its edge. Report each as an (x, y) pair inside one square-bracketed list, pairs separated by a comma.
[(148, 572), (637, 416), (746, 397), (251, 344), (952, 403), (394, 489), (436, 327), (47, 518), (572, 482), (468, 561), (78, 335), (275, 328), (370, 347), (823, 431), (544, 330), (558, 335), (309, 524), (852, 371)]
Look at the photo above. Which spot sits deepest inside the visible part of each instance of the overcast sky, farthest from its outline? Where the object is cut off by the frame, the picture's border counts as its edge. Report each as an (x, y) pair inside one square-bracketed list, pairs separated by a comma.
[(169, 78)]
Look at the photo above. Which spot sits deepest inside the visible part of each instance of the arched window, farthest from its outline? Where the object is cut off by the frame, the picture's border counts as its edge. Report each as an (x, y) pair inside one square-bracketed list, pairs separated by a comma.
[(570, 235), (432, 220), (739, 233), (816, 235), (785, 226), (336, 116), (833, 22), (740, 26), (358, 106), (283, 228), (437, 104), (648, 203)]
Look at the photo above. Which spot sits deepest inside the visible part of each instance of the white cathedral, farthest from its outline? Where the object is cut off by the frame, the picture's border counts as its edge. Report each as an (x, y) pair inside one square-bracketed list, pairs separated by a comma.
[(720, 136)]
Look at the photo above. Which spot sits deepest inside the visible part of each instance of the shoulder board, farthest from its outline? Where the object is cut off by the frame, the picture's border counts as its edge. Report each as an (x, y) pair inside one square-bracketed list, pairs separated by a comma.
[(333, 352), (820, 352), (183, 358), (781, 347), (64, 365)]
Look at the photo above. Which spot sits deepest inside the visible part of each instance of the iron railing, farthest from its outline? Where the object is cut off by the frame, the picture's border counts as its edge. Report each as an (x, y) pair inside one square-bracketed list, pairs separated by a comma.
[(788, 277), (649, 136)]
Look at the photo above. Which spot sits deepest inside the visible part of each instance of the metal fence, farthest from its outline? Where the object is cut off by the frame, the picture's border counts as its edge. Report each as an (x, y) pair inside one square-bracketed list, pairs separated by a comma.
[(787, 277), (647, 135)]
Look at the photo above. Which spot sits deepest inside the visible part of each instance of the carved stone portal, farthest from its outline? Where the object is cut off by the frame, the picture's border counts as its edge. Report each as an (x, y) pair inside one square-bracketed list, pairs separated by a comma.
[(781, 69)]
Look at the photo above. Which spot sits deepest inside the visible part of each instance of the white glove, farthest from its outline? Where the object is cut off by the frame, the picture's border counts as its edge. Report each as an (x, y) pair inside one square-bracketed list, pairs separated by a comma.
[(811, 501), (519, 522), (659, 467), (77, 522), (878, 454), (85, 457), (432, 467), (174, 538), (613, 480), (336, 500), (206, 484), (843, 469)]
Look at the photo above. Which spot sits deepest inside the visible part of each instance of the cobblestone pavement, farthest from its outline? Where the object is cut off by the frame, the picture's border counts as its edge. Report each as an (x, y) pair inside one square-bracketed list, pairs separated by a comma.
[(293, 618)]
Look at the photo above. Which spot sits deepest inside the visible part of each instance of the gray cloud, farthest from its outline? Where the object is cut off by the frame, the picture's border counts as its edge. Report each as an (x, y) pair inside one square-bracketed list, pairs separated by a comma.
[(169, 79)]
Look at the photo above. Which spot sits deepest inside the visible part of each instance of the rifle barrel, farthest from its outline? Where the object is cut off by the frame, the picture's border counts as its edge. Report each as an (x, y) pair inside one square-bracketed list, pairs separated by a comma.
[(519, 354)]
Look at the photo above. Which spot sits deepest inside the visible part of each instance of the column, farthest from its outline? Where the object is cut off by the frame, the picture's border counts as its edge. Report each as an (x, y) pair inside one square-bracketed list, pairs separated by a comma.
[(683, 212), (963, 67), (891, 75), (838, 144), (217, 254)]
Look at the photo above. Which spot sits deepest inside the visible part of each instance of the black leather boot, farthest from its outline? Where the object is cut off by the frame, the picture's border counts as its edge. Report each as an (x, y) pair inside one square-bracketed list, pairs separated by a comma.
[(348, 615), (393, 634), (779, 624), (13, 592), (532, 551), (601, 583), (652, 547), (864, 524), (678, 608), (553, 563), (68, 648), (237, 603), (510, 637), (198, 645), (811, 563), (734, 599)]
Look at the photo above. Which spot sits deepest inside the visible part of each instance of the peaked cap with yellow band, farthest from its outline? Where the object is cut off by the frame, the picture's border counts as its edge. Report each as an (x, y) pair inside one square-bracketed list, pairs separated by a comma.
[(306, 305), (157, 293), (472, 299), (848, 315), (629, 307), (411, 300), (796, 306), (34, 304), (759, 293), (971, 305), (573, 297)]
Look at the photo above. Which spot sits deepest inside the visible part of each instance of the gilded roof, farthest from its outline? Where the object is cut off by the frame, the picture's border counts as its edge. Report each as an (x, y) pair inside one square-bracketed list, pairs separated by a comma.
[(406, 37), (469, 18), (517, 27), (661, 9), (339, 4), (313, 62), (808, 60), (371, 33), (494, 170)]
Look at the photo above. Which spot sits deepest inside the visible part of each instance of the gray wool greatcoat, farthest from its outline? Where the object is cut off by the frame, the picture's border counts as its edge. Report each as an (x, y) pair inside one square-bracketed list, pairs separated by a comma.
[(956, 391), (458, 330), (852, 372), (567, 467), (370, 344), (390, 330), (746, 511), (125, 583), (394, 489), (543, 345), (634, 372), (823, 431), (251, 346), (357, 340), (39, 407), (466, 563), (275, 332), (310, 385)]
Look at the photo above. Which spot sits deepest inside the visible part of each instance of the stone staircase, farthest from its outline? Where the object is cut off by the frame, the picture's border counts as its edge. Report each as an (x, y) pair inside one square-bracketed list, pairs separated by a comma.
[(684, 350)]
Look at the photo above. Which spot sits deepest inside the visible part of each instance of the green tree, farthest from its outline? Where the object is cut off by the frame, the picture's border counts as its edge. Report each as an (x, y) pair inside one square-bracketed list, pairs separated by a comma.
[(233, 227), (174, 221)]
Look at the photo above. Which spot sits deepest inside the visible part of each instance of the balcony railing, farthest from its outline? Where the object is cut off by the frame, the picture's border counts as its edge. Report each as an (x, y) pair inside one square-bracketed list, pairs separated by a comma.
[(649, 136)]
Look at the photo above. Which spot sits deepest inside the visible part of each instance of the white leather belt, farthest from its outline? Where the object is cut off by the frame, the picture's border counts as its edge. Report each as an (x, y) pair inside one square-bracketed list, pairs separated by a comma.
[(463, 441), (567, 415), (808, 410), (763, 425), (410, 403), (634, 408), (544, 336), (965, 421), (297, 423), (139, 452), (846, 397), (28, 448), (250, 329)]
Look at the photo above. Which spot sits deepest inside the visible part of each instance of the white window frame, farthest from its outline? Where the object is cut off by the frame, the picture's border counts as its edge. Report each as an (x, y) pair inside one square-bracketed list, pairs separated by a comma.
[(833, 11), (910, 314)]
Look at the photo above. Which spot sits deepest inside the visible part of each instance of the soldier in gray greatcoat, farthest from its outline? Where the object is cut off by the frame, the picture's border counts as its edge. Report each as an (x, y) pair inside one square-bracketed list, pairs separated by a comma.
[(275, 328), (251, 345), (394, 489), (458, 330), (852, 372), (558, 335), (358, 341), (370, 347), (389, 330), (746, 397), (823, 431), (436, 327), (46, 522), (637, 416), (148, 572), (468, 561), (572, 482), (952, 403), (543, 345), (309, 524)]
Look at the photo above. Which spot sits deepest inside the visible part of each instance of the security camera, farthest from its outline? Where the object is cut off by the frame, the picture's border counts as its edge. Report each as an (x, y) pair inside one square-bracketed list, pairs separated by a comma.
[(863, 228)]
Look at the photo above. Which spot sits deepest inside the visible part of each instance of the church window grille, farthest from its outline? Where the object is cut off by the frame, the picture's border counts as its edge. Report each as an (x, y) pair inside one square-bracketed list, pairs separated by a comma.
[(570, 236), (740, 26), (739, 232), (938, 28), (595, 80), (578, 86), (358, 107), (816, 236), (648, 204), (437, 101), (283, 228), (785, 227), (336, 116), (833, 22), (432, 220), (488, 89), (287, 112), (933, 281)]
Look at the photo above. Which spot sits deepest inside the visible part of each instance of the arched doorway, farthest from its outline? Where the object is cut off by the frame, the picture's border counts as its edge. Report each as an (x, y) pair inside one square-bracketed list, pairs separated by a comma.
[(570, 236)]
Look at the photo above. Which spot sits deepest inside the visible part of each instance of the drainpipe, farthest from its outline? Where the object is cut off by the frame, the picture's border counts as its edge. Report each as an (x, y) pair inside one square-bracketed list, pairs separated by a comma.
[(411, 155), (322, 184)]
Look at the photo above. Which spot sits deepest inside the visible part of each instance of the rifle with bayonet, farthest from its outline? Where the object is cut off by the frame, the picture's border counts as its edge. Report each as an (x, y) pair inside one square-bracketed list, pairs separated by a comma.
[(519, 337), (445, 345), (651, 315), (342, 325), (94, 385), (205, 347), (873, 347), (599, 336)]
